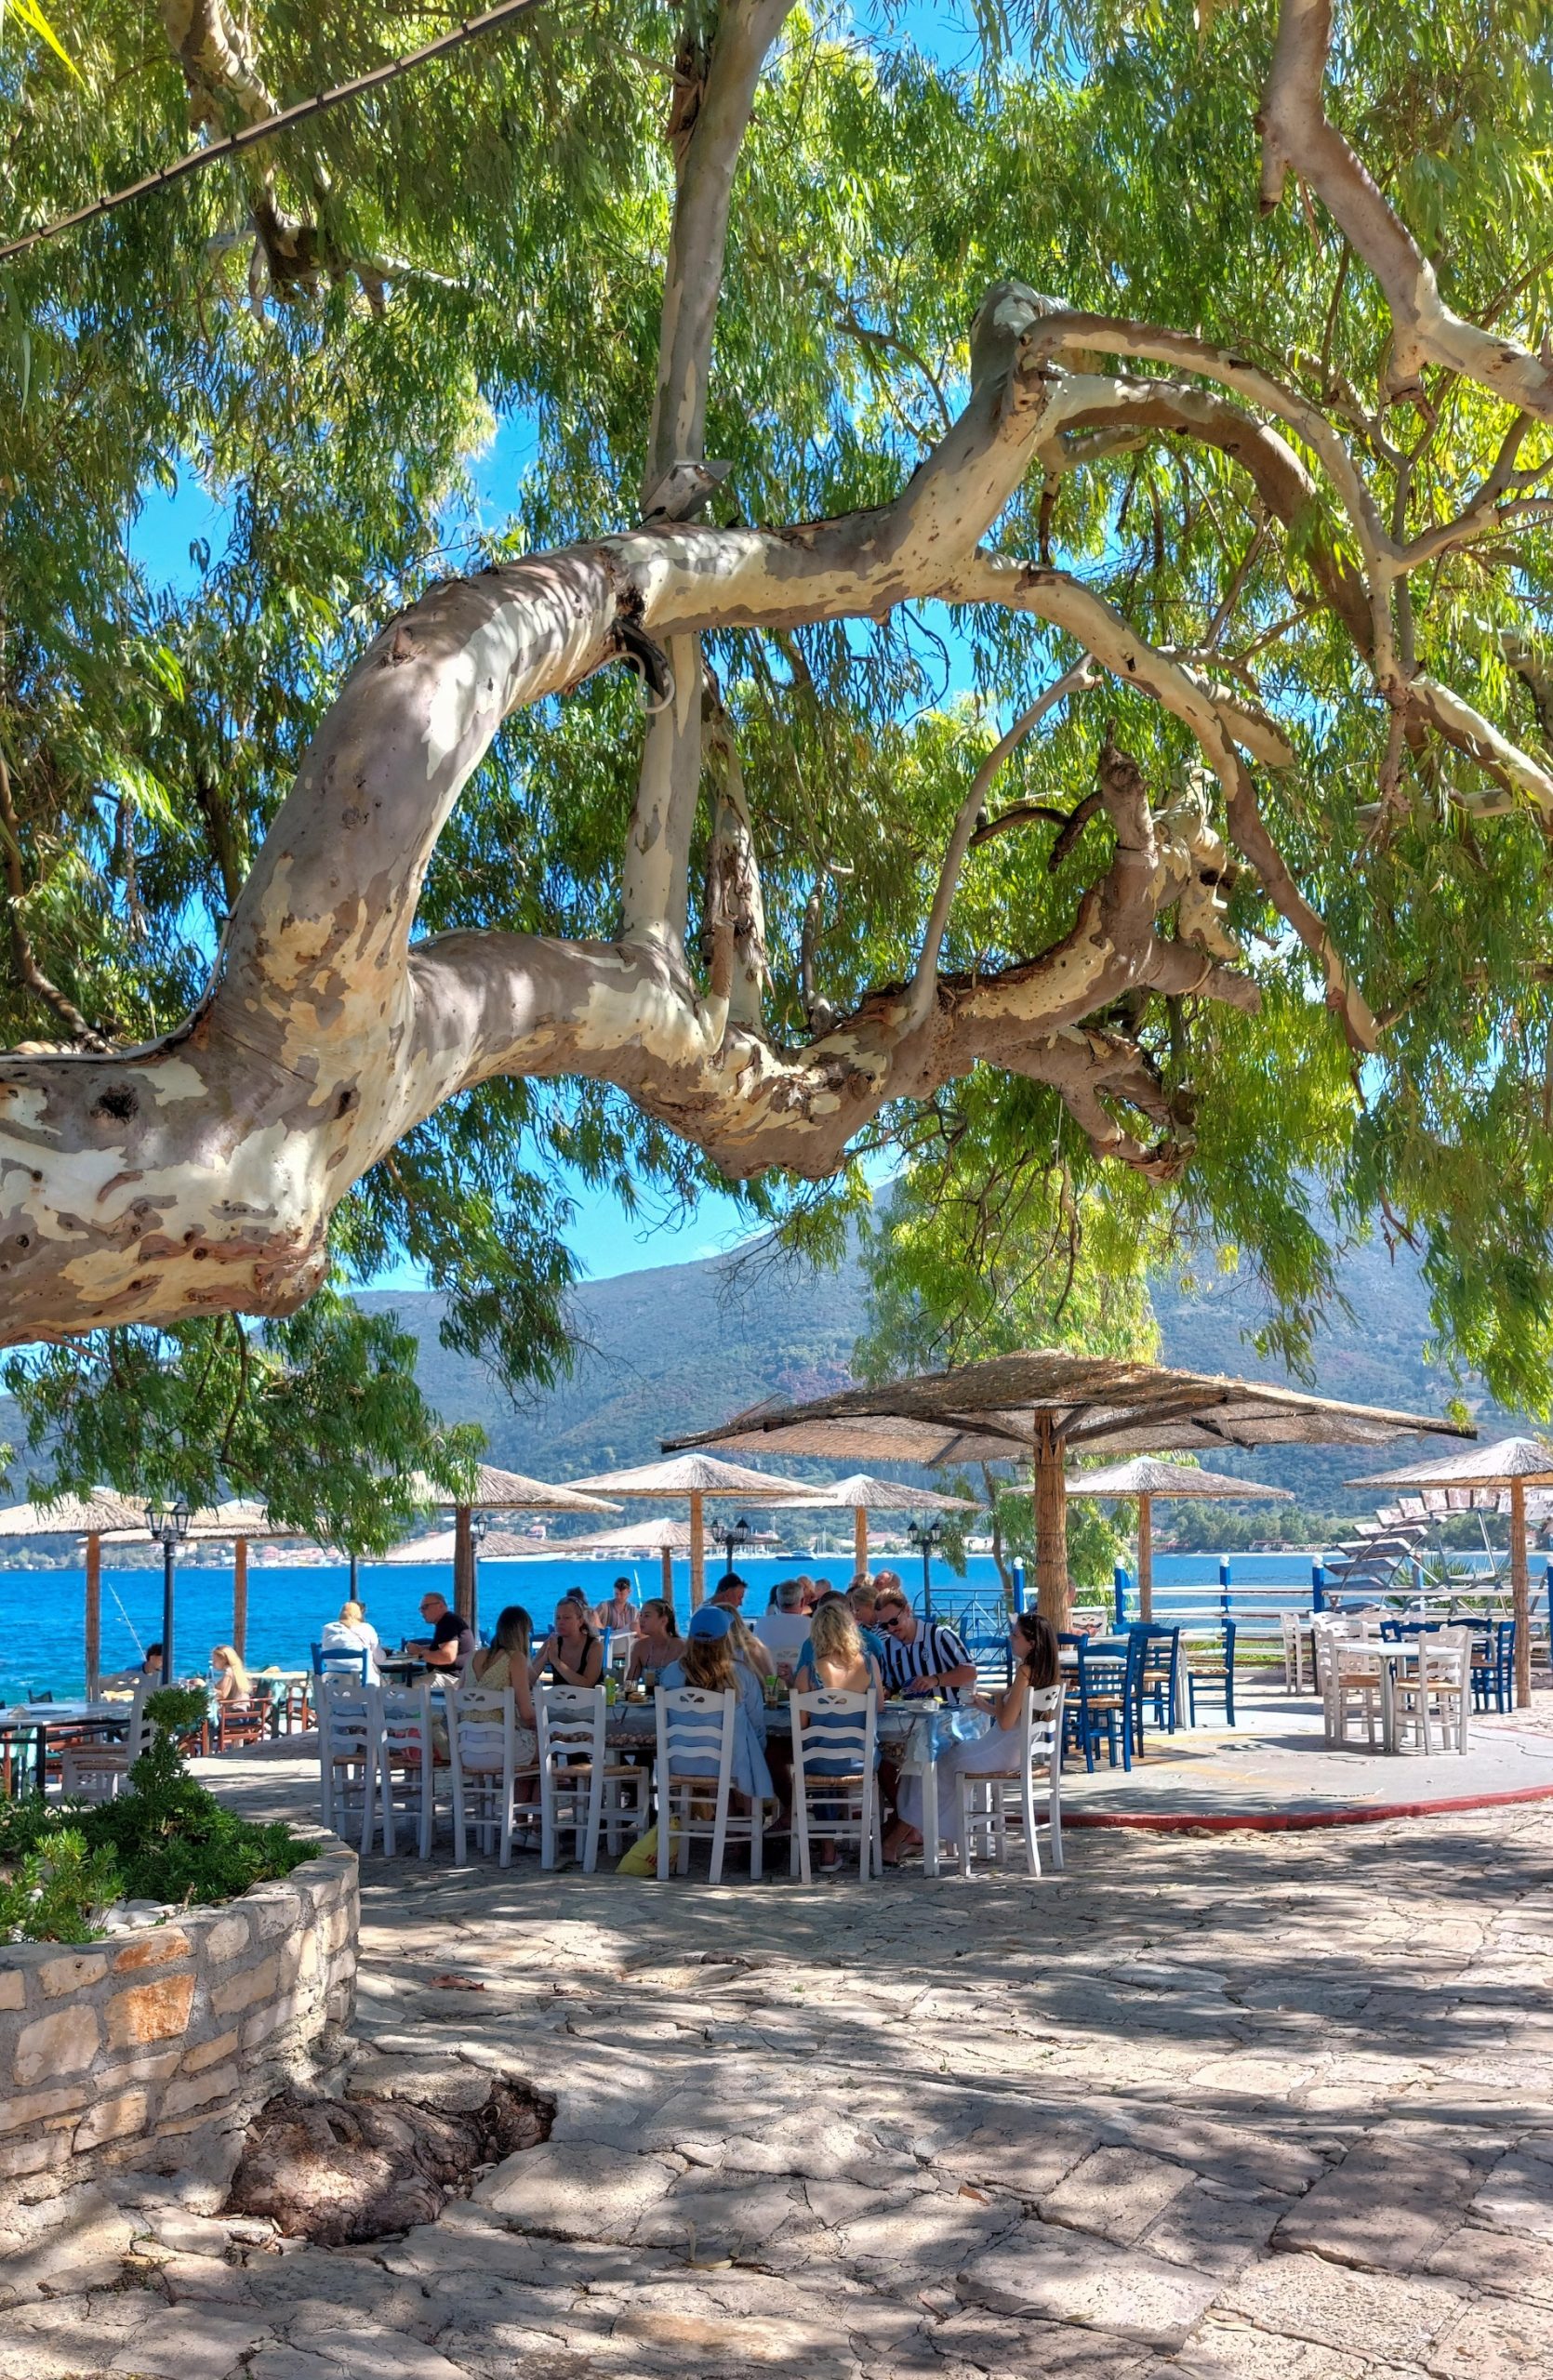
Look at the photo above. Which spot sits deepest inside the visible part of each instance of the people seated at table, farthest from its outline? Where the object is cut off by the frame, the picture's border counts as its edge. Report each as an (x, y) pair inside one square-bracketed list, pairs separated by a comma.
[(451, 1643), (619, 1611), (783, 1627), (573, 1652), (506, 1662), (352, 1633), (708, 1661), (229, 1681), (1036, 1658), (148, 1670), (658, 1642), (921, 1656), (863, 1596)]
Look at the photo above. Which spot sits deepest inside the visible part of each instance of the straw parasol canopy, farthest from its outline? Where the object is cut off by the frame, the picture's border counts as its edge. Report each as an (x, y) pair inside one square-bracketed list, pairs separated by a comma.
[(94, 1518), (695, 1477), (497, 1545), (1048, 1401), (861, 1494), (495, 1490), (1143, 1479), (1515, 1463)]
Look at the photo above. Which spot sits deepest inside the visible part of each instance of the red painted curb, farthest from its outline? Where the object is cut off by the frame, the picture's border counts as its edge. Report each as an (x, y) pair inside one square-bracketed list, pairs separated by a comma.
[(1294, 1821)]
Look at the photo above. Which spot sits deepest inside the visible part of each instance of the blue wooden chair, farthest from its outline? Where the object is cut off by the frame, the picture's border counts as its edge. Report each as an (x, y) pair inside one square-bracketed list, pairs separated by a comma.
[(1153, 1675), (1097, 1702), (1214, 1681), (340, 1660), (1493, 1667)]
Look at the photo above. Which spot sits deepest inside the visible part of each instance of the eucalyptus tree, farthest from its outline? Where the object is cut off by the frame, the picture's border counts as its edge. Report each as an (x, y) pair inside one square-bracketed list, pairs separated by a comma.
[(1173, 387)]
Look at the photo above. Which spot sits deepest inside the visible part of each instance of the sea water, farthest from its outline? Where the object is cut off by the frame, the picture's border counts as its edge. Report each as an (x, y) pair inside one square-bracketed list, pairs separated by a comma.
[(42, 1612)]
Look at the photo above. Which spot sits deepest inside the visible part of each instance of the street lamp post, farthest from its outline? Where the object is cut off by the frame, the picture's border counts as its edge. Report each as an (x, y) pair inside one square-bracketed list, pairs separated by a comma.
[(925, 1536), (168, 1524), (737, 1534)]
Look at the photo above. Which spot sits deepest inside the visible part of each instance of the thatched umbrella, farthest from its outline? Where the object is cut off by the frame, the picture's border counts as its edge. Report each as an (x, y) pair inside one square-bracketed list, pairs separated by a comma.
[(1050, 1403), (1515, 1463), (1143, 1479), (697, 1477), (498, 1491), (665, 1537), (237, 1520), (94, 1518), (861, 1495)]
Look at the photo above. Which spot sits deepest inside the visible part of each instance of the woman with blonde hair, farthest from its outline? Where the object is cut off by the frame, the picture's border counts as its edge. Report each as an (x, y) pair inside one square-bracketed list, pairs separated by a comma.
[(352, 1633), (835, 1659), (229, 1681)]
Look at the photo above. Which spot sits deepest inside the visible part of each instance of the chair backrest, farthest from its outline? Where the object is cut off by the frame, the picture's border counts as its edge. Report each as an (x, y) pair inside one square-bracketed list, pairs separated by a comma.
[(572, 1721), (1102, 1672), (1445, 1654), (619, 1643), (695, 1724), (482, 1725), (1041, 1730), (404, 1716), (832, 1724), (340, 1658), (347, 1717)]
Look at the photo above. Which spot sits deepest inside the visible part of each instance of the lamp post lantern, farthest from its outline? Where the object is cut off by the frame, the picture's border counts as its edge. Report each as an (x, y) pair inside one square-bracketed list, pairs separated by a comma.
[(737, 1533), (926, 1536), (168, 1526), (478, 1524)]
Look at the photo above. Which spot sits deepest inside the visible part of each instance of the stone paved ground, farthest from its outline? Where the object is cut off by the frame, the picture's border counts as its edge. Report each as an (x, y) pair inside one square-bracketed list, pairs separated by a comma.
[(1238, 2109)]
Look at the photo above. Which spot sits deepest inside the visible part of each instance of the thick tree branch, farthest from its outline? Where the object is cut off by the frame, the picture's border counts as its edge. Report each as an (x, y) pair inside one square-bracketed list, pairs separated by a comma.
[(1298, 136)]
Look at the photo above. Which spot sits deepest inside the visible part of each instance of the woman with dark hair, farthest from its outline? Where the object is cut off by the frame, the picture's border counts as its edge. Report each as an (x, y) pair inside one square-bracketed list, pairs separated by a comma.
[(1037, 1664), (658, 1642), (506, 1662)]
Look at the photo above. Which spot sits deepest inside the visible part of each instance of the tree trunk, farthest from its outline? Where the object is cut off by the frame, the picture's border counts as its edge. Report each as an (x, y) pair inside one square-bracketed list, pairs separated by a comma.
[(463, 1565), (93, 1645)]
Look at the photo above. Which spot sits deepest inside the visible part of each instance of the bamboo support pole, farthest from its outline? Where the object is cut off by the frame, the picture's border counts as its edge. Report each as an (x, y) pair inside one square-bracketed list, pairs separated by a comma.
[(1522, 1586), (697, 1555), (240, 1596), (860, 1539), (1146, 1556), (1051, 1524), (463, 1564), (668, 1562)]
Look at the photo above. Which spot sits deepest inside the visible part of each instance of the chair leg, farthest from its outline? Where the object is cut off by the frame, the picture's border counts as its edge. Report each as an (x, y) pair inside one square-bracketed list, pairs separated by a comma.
[(719, 1835), (547, 1816), (428, 1801), (595, 1813), (1054, 1821), (967, 1789), (1032, 1849), (757, 1839), (665, 1828), (866, 1829)]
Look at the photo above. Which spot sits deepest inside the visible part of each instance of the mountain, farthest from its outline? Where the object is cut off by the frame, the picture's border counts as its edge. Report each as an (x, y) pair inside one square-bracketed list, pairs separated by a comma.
[(683, 1346)]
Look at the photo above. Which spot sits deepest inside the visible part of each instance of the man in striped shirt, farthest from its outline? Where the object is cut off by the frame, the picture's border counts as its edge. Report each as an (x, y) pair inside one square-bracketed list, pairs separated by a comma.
[(921, 1657)]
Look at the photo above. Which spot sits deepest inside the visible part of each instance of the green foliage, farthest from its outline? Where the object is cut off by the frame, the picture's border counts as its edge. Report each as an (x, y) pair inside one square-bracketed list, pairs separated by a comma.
[(166, 1840), (319, 1414), (493, 230)]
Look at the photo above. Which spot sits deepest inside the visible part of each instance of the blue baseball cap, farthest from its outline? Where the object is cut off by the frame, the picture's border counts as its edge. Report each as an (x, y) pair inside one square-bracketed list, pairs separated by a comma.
[(711, 1620)]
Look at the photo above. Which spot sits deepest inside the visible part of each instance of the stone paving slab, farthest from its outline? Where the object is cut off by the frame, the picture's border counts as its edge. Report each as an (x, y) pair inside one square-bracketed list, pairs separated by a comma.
[(1273, 2107)]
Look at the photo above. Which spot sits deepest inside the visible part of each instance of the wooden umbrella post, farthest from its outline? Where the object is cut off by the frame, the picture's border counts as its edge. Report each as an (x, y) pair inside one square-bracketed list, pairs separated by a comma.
[(463, 1564), (1522, 1586), (859, 1540), (697, 1554), (1051, 1525), (94, 1614), (668, 1559), (240, 1596), (1145, 1557)]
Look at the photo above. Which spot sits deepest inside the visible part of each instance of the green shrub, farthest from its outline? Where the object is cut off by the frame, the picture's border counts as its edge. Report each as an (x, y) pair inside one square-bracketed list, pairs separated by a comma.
[(167, 1839)]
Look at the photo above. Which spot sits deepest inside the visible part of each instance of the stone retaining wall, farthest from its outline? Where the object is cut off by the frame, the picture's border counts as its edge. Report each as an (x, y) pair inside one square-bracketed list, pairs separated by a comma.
[(147, 2037)]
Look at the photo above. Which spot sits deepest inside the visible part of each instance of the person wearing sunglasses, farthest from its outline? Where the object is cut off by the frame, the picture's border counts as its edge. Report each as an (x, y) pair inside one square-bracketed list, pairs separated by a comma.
[(921, 1657)]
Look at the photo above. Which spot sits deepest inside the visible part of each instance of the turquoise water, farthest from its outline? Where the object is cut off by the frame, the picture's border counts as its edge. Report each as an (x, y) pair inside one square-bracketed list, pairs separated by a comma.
[(41, 1611)]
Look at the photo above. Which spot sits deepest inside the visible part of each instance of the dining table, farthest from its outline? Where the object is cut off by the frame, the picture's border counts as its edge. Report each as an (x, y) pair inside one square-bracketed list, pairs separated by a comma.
[(1390, 1657), (25, 1728), (917, 1735)]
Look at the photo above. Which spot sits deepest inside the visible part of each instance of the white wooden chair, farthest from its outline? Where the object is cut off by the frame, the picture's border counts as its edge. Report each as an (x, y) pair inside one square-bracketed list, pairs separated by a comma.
[(346, 1753), (1328, 1629), (406, 1763), (580, 1789), (985, 1796), (95, 1770), (1298, 1664), (1438, 1694), (838, 1801), (483, 1765), (1356, 1694), (695, 1724)]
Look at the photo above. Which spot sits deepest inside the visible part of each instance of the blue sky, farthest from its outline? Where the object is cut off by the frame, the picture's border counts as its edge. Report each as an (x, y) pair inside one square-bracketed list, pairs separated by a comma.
[(604, 1237)]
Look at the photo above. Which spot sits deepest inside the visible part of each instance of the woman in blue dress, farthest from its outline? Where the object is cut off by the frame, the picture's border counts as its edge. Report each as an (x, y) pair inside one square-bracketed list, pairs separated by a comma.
[(708, 1661)]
